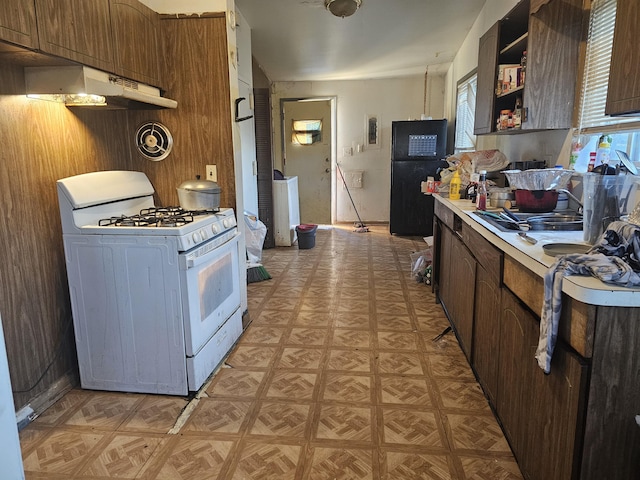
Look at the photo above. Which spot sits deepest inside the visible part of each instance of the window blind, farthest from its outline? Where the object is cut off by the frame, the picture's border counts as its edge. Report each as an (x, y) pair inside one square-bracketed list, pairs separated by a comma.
[(593, 95), (465, 140)]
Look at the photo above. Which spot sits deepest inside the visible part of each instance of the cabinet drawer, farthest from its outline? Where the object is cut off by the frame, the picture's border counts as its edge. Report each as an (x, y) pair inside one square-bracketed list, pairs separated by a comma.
[(486, 254), (577, 321), (444, 214)]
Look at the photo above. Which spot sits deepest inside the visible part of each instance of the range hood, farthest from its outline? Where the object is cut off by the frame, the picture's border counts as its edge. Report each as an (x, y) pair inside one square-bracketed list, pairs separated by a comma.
[(79, 85)]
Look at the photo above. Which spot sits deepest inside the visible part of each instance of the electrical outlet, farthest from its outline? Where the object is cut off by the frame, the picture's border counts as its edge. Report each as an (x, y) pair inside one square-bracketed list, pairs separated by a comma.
[(212, 173)]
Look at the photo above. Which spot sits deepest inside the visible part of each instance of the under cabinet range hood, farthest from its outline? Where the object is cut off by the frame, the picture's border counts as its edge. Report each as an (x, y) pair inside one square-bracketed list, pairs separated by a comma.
[(79, 85)]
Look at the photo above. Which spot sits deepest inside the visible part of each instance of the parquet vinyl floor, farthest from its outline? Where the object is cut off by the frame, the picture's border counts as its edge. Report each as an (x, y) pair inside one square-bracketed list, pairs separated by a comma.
[(336, 378)]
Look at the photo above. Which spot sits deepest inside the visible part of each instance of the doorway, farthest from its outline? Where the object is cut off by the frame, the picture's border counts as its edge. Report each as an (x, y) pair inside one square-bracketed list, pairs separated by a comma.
[(307, 144)]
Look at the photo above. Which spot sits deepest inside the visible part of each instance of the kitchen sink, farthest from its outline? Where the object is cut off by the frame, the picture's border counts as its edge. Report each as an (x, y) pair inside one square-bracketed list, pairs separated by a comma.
[(567, 220)]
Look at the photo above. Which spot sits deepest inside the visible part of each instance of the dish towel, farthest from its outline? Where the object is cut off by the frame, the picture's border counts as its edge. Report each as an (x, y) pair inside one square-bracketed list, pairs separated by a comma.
[(614, 259)]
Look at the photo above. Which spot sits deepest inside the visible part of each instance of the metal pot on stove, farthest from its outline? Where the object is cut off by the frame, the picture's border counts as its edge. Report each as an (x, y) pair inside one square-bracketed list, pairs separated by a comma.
[(536, 201), (199, 194)]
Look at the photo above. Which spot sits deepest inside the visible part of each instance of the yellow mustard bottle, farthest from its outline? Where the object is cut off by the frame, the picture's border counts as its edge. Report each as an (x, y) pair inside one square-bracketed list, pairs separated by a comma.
[(454, 186)]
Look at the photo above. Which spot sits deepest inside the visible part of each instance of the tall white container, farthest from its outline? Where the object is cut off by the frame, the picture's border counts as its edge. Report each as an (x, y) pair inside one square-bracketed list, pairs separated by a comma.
[(286, 213)]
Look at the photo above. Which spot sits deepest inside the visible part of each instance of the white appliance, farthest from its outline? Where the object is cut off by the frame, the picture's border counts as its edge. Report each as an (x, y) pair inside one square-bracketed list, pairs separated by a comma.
[(10, 456), (286, 213), (78, 85), (155, 292)]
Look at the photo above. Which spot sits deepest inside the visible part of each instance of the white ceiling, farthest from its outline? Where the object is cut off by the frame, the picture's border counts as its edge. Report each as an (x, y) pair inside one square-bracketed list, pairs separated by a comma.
[(299, 40)]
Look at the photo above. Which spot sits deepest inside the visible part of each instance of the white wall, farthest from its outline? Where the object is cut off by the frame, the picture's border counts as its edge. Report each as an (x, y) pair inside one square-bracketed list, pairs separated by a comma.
[(389, 99)]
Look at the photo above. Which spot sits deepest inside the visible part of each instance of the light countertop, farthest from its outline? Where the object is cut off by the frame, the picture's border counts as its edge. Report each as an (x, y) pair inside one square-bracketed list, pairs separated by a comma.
[(588, 290)]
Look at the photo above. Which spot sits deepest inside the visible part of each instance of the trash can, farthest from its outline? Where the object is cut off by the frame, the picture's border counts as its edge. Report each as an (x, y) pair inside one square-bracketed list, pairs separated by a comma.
[(306, 235)]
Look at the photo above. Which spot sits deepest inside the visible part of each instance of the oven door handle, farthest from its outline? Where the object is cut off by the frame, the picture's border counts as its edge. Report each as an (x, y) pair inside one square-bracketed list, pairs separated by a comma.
[(191, 260)]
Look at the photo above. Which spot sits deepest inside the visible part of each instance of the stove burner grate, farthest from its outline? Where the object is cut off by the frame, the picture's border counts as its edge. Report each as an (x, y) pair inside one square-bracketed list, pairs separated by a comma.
[(155, 217)]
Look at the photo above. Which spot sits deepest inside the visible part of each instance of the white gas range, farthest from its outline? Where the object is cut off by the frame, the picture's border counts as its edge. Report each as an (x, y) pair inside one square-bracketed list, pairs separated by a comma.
[(155, 292)]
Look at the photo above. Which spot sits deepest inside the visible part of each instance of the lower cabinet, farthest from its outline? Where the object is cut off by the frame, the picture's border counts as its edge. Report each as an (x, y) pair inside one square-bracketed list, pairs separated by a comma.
[(464, 277), (486, 331), (541, 414), (455, 279)]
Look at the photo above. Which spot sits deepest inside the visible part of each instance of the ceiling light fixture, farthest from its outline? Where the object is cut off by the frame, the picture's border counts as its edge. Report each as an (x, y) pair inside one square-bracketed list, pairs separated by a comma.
[(342, 8)]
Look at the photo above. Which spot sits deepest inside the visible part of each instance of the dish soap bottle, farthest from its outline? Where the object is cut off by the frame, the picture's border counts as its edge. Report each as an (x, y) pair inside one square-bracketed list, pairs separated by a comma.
[(604, 150), (454, 186)]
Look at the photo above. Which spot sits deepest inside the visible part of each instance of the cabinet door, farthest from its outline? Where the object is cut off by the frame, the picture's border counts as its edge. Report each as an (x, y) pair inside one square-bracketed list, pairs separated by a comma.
[(518, 336), (556, 417), (486, 331), (623, 95), (541, 414), (136, 41), (486, 87), (552, 65), (18, 22), (78, 30), (462, 284), (445, 270)]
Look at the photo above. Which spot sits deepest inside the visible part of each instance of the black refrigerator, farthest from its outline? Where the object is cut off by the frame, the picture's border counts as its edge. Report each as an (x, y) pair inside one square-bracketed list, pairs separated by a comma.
[(418, 150)]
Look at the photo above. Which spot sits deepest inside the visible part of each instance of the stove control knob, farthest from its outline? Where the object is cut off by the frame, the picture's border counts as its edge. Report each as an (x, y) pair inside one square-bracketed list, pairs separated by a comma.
[(215, 229), (203, 234), (196, 237), (227, 222)]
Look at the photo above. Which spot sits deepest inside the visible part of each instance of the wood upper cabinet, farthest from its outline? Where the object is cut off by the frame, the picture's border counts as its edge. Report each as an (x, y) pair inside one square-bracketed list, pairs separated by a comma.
[(136, 41), (18, 23), (78, 30), (551, 38), (553, 48), (487, 68), (623, 95)]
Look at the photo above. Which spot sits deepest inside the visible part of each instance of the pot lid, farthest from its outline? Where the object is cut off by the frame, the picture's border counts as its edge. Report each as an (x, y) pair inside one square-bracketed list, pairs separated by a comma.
[(626, 161), (198, 185)]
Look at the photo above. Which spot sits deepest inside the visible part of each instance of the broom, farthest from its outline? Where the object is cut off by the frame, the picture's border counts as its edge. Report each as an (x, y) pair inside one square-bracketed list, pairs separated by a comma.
[(257, 273), (359, 226)]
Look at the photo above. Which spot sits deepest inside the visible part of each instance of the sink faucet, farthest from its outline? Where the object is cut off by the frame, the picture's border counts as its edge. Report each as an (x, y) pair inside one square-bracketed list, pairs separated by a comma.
[(574, 198)]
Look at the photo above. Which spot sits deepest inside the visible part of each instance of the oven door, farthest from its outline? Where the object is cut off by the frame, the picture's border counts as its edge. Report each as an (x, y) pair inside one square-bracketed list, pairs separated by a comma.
[(210, 285)]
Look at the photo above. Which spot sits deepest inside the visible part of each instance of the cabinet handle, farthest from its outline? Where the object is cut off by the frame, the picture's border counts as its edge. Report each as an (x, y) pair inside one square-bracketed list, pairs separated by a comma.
[(238, 100)]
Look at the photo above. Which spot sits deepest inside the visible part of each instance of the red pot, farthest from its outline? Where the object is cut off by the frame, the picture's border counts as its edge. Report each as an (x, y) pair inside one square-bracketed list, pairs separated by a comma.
[(536, 201)]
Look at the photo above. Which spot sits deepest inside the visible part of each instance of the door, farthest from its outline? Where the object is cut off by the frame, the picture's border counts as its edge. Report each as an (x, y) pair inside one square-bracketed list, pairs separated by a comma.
[(210, 292), (311, 163), (248, 151)]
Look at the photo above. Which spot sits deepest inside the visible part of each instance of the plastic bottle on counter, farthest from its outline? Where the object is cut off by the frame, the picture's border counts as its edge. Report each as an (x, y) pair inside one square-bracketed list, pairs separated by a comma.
[(454, 186), (604, 150), (592, 161), (481, 197), (575, 153)]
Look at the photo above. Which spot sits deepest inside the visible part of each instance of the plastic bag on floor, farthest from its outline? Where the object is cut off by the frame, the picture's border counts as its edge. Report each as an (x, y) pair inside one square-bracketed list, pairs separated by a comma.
[(256, 232), (421, 266)]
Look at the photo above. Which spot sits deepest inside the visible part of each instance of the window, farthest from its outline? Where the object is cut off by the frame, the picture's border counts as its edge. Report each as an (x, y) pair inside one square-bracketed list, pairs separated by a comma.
[(465, 140), (592, 121), (306, 132)]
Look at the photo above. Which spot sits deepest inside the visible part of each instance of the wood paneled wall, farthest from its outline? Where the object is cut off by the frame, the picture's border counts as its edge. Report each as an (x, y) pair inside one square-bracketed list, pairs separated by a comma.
[(41, 142), (197, 77)]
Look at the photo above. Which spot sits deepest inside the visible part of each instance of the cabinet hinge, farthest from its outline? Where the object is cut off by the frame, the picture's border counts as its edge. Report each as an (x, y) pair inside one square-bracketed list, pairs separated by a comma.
[(525, 114)]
